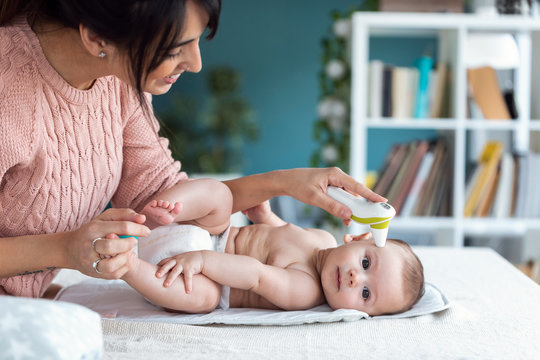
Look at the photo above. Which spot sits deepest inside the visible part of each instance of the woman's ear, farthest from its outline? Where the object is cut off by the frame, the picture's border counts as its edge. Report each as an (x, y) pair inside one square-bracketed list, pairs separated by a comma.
[(94, 44)]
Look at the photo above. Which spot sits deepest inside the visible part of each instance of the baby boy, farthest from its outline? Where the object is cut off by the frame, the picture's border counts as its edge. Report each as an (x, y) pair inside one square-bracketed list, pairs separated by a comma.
[(275, 265)]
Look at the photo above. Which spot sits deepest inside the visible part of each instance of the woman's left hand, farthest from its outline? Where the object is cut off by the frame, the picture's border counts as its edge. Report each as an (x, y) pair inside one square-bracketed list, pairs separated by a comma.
[(309, 185)]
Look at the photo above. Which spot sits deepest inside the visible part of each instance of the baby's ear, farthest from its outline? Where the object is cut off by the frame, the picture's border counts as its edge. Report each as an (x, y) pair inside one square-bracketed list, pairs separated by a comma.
[(348, 237)]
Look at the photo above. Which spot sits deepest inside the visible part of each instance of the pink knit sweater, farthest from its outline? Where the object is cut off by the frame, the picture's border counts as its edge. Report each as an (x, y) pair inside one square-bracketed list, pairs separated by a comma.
[(65, 153)]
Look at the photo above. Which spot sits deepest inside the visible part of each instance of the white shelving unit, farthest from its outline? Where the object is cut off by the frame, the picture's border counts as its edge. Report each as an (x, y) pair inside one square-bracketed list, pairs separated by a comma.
[(451, 30)]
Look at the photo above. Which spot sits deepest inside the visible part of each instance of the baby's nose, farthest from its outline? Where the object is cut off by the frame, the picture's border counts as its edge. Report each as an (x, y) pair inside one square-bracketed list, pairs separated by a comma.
[(353, 278)]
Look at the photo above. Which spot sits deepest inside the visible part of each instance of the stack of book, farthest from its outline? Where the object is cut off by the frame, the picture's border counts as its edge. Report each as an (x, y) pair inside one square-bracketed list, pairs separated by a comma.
[(407, 92), (416, 178), (502, 185)]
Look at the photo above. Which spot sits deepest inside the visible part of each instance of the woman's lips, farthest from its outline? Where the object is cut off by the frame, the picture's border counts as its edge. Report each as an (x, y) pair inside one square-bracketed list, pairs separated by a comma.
[(171, 79)]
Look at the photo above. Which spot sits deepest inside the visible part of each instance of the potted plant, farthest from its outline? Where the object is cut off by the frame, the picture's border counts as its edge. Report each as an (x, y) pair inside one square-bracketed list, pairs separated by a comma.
[(210, 138)]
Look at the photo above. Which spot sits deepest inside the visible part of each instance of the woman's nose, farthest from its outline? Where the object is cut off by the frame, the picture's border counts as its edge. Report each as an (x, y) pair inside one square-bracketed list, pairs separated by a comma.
[(194, 57)]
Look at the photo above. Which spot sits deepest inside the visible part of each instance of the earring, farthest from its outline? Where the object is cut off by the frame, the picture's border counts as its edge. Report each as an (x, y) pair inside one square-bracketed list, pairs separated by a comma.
[(102, 54)]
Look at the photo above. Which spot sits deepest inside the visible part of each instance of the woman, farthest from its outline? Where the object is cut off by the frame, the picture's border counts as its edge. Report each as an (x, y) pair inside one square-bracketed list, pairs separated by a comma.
[(78, 132)]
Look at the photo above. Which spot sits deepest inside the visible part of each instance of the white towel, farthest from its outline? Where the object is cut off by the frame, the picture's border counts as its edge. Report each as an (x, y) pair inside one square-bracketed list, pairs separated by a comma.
[(114, 299)]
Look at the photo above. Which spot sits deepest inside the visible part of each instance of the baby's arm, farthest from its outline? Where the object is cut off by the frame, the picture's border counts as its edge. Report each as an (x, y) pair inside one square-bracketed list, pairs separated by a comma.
[(206, 203), (289, 289), (204, 298)]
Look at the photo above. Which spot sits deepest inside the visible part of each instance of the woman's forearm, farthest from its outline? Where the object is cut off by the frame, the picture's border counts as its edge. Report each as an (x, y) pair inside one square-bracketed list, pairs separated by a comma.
[(249, 191), (33, 253)]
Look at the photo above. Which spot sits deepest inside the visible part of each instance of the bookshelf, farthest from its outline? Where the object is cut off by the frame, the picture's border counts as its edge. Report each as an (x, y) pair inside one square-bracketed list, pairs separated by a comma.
[(451, 32)]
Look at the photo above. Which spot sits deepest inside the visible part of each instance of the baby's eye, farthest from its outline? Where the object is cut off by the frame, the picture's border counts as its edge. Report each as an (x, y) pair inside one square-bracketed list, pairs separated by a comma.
[(365, 263), (365, 293)]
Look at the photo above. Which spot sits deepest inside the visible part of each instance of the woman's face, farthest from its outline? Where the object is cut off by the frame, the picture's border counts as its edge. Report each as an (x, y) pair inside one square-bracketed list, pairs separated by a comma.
[(185, 57)]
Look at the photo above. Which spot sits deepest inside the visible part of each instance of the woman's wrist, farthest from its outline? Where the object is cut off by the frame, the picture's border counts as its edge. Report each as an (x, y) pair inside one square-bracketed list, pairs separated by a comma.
[(60, 254), (276, 183)]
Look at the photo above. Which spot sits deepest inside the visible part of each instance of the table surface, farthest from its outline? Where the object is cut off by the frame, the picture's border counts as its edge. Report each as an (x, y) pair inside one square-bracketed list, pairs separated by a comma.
[(494, 314)]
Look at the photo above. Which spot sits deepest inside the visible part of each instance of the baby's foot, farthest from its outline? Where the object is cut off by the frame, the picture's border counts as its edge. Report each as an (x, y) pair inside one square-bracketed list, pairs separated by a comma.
[(161, 212)]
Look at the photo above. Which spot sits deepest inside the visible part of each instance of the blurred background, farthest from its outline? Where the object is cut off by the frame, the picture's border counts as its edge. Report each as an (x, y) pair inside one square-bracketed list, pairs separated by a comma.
[(274, 93)]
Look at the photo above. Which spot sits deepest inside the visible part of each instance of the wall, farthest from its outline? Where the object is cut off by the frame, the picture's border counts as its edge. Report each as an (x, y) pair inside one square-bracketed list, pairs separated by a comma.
[(276, 47)]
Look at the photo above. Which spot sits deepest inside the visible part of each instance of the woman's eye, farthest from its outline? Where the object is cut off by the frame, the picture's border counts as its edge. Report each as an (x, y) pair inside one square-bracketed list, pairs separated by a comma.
[(365, 293), (172, 56), (365, 263)]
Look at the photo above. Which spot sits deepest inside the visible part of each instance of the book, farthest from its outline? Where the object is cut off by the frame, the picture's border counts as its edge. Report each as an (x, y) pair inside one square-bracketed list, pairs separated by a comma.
[(473, 179), (488, 162), (521, 182), (386, 109), (397, 184), (384, 183), (441, 6), (531, 186), (410, 175), (421, 175), (421, 107), (428, 190), (387, 160), (486, 93), (533, 176), (404, 82), (488, 196), (437, 91), (503, 197), (510, 102), (515, 186), (376, 68), (439, 186)]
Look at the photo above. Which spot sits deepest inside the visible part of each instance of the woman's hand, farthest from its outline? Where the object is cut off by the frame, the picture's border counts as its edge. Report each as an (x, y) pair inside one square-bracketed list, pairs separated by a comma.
[(189, 264), (96, 250), (309, 186), (347, 238)]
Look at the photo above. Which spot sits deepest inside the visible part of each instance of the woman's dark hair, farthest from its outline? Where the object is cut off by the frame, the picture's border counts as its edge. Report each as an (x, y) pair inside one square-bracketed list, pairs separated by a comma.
[(146, 30)]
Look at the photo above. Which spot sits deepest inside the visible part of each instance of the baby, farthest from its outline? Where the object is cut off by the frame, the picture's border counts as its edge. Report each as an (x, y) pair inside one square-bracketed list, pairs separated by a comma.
[(271, 264)]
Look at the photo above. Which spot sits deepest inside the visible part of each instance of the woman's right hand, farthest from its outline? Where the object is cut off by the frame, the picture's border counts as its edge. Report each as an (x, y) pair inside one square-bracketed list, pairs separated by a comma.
[(115, 253)]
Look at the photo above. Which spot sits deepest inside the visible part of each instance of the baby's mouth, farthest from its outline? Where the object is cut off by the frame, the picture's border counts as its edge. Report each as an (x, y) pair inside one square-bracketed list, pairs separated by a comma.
[(338, 279)]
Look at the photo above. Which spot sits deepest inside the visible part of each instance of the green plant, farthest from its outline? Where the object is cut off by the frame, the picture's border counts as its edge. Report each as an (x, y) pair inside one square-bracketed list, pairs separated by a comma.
[(210, 140)]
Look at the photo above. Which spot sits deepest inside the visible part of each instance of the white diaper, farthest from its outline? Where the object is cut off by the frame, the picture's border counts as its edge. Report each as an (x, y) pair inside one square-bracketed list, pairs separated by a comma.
[(174, 239)]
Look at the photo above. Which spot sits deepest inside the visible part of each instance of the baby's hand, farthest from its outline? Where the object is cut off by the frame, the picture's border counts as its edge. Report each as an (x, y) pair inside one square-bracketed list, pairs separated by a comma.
[(189, 264)]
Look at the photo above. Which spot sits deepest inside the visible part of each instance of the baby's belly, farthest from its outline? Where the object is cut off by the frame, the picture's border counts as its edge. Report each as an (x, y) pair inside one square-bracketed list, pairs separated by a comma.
[(248, 299)]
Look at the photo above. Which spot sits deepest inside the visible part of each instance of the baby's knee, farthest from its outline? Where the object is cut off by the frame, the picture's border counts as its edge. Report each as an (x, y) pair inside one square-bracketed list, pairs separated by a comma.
[(222, 192), (210, 303), (206, 302)]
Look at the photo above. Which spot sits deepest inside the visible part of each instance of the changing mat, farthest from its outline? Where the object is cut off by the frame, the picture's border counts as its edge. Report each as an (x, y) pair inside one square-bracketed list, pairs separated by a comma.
[(114, 299)]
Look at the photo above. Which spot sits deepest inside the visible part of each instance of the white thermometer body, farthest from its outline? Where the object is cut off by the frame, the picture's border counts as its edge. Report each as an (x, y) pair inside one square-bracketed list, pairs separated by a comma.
[(376, 215)]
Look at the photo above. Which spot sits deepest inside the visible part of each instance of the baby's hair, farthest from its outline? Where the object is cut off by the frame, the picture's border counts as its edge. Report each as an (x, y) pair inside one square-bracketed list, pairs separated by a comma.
[(413, 275)]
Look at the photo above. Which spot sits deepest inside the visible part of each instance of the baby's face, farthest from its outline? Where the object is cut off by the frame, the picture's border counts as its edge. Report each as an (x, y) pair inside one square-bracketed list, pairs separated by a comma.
[(362, 276)]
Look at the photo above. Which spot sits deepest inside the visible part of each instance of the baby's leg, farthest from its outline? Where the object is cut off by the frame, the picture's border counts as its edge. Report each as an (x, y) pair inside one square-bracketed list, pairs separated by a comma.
[(161, 212), (202, 299), (206, 203)]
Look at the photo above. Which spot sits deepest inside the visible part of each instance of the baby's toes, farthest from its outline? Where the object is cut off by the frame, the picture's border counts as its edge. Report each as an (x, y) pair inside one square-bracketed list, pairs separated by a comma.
[(176, 209)]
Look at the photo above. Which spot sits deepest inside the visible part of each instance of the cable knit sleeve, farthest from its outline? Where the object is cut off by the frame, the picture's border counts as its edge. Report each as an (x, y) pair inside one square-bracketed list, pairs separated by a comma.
[(18, 137), (148, 167)]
